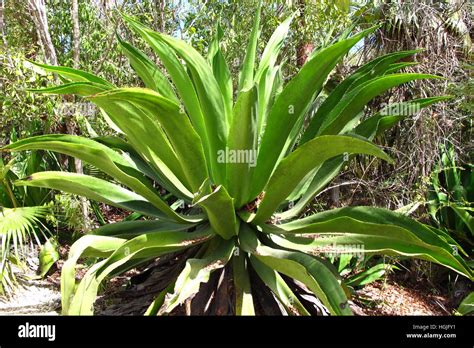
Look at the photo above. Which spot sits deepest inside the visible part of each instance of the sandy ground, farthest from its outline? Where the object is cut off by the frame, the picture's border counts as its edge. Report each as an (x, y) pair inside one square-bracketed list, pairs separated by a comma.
[(32, 298)]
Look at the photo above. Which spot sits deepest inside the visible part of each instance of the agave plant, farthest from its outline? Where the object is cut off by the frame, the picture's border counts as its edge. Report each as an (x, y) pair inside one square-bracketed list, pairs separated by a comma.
[(451, 196), (247, 169)]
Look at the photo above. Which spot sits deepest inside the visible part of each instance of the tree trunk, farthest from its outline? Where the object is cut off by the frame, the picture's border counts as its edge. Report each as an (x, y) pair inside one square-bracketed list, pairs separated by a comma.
[(103, 7), (2, 26), (162, 15), (76, 39), (4, 33), (305, 47), (75, 33), (38, 15)]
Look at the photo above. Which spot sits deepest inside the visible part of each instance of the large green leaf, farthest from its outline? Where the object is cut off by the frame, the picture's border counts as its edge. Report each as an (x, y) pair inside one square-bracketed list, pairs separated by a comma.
[(220, 209), (370, 275), (279, 287), (92, 246), (133, 228), (467, 305), (79, 88), (129, 255), (171, 184), (207, 90), (73, 74), (269, 87), (221, 70), (247, 71), (316, 181), (365, 73), (464, 216), (102, 157), (291, 105), (371, 127), (243, 292), (184, 87), (349, 108), (207, 87), (293, 168), (369, 230), (198, 271), (93, 188), (242, 146), (147, 70), (146, 136), (186, 143), (392, 113), (48, 255), (273, 47), (304, 268)]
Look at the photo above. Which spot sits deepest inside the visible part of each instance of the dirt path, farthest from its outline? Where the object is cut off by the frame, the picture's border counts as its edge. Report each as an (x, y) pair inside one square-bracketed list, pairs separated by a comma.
[(387, 298), (32, 296)]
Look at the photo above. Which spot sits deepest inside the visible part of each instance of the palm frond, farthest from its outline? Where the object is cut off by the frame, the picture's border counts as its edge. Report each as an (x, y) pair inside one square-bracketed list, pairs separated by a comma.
[(17, 227)]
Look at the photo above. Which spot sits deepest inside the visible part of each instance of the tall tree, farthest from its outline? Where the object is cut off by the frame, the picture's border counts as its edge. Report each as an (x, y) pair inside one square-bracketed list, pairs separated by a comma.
[(75, 33), (38, 15), (305, 46), (4, 33), (2, 25), (76, 39)]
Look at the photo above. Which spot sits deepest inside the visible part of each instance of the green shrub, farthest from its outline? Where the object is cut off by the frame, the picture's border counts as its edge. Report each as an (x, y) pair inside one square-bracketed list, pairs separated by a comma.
[(451, 197)]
